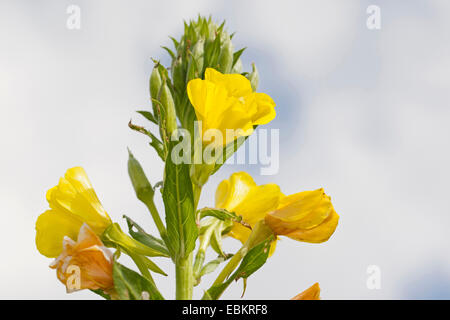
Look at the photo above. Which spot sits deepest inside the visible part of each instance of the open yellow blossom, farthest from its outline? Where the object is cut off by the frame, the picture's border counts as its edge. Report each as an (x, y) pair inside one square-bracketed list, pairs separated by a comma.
[(240, 194), (306, 216), (227, 101), (312, 293), (72, 202), (85, 264)]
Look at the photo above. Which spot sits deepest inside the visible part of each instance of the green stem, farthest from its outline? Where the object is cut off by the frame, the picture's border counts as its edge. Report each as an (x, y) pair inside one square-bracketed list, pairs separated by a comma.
[(231, 265), (204, 243), (157, 219), (198, 265), (227, 270), (184, 278)]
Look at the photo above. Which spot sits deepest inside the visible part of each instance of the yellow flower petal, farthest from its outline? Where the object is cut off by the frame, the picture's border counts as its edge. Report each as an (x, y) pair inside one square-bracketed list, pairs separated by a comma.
[(238, 186), (240, 194), (75, 195), (318, 234), (237, 85), (305, 216), (209, 100), (73, 202), (239, 232), (265, 109), (222, 193), (227, 102), (303, 210), (51, 227), (258, 202)]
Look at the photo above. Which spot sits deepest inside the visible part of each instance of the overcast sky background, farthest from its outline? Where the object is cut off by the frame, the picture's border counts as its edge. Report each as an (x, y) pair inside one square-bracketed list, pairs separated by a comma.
[(363, 113)]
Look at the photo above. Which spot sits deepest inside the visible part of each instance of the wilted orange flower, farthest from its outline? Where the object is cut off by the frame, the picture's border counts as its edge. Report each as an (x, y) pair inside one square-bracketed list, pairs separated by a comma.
[(85, 264), (312, 293)]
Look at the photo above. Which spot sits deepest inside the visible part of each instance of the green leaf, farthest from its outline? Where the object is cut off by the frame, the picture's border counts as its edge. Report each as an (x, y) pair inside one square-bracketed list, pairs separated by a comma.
[(178, 199), (216, 240), (144, 264), (229, 150), (130, 285), (148, 115), (145, 238), (113, 235), (211, 266), (175, 42), (237, 55), (253, 260), (155, 142), (101, 293), (220, 214), (153, 267), (172, 55)]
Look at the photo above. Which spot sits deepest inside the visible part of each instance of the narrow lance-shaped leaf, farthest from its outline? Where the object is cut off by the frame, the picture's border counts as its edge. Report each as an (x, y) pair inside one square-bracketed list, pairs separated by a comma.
[(237, 55), (114, 236), (220, 214), (229, 150), (145, 238), (148, 115), (155, 142), (178, 199), (130, 285)]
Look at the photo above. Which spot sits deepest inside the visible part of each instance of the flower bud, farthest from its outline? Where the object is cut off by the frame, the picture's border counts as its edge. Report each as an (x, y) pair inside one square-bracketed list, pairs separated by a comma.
[(179, 75), (195, 67), (84, 264), (254, 77), (155, 83), (155, 87), (169, 109), (226, 56), (237, 68), (141, 185)]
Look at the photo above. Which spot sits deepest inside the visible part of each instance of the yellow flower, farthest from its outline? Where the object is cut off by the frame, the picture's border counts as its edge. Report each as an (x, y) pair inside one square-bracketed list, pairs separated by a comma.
[(312, 293), (227, 101), (72, 202), (240, 194), (85, 264), (306, 216)]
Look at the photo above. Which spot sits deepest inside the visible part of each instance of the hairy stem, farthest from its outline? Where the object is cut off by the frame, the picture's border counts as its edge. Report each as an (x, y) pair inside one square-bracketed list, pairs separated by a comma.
[(184, 278)]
